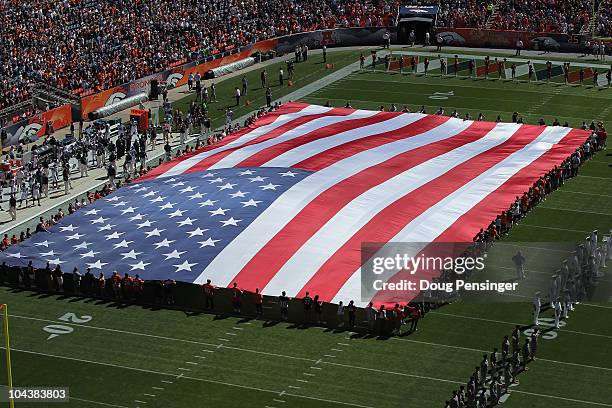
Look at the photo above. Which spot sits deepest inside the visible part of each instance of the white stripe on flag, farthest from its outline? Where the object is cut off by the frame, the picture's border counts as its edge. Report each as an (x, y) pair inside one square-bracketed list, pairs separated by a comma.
[(439, 217), (247, 151), (305, 262), (246, 245), (315, 147), (185, 165)]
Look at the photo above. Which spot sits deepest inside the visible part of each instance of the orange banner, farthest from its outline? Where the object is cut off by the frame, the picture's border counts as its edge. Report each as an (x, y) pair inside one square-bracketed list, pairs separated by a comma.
[(58, 117), (99, 100)]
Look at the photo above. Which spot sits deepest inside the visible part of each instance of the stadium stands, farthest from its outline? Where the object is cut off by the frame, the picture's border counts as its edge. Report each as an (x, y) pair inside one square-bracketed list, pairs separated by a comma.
[(570, 17), (88, 45)]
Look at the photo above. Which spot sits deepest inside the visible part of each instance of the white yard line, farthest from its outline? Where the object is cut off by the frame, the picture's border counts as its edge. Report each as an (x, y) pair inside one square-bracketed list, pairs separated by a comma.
[(294, 387), (295, 357), (573, 210), (521, 324), (554, 228), (562, 190), (207, 380), (593, 305), (601, 404), (105, 404)]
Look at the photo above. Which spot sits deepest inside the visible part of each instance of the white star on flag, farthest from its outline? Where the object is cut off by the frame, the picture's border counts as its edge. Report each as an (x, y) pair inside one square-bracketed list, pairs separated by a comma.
[(167, 206), (270, 186), (154, 232), (145, 224), (140, 265), (137, 217), (68, 228), (128, 210), (227, 186), (231, 221), (106, 227), (180, 183), (75, 236), (89, 254), (165, 243), (185, 266), (208, 242), (50, 253), (196, 231), (170, 180), (196, 195), (93, 211), (55, 261), (187, 189), (208, 203), (258, 178), (177, 213), (158, 199), (82, 245), (250, 203), (247, 173), (99, 220), (114, 235), (145, 188), (238, 194), (120, 204), (288, 174), (122, 244), (115, 198), (97, 265), (132, 254), (207, 175), (218, 211), (16, 255), (150, 194), (186, 221), (44, 243), (217, 180), (174, 254)]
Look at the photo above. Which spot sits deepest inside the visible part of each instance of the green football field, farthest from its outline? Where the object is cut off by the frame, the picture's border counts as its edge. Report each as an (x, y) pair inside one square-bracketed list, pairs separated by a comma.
[(113, 355)]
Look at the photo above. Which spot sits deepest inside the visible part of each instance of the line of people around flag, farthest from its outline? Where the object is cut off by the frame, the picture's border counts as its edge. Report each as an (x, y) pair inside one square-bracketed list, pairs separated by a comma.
[(495, 376)]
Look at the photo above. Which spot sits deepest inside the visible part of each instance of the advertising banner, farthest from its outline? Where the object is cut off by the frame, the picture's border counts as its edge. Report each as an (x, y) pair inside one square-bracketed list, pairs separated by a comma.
[(29, 130), (340, 37), (470, 37)]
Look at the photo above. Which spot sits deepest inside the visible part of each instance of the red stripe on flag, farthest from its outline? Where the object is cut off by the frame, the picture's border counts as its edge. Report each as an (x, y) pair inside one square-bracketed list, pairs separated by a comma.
[(266, 263), (262, 157), (389, 222), (266, 120), (335, 154), (209, 161), (483, 213)]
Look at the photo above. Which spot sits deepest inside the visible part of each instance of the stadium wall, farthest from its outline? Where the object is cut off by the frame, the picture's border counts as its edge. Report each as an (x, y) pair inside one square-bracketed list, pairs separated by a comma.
[(481, 38)]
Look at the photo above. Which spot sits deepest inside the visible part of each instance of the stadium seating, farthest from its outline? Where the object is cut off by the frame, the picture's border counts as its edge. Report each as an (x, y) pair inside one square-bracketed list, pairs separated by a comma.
[(89, 45)]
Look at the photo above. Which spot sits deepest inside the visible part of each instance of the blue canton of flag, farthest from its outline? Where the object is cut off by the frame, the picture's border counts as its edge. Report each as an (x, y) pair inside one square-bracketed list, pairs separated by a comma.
[(161, 228)]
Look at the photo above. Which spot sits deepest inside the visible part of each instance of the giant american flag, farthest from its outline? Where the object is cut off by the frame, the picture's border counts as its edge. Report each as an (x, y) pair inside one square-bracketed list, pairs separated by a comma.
[(285, 204)]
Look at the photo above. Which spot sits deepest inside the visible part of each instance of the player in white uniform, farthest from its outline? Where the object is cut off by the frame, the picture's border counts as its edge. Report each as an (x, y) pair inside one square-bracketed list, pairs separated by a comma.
[(567, 303), (537, 304), (553, 291), (558, 311), (564, 272)]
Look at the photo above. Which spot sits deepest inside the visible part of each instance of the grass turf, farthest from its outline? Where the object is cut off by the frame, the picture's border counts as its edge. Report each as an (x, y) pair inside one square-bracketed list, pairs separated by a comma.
[(129, 356)]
